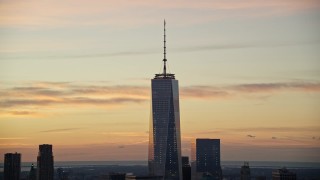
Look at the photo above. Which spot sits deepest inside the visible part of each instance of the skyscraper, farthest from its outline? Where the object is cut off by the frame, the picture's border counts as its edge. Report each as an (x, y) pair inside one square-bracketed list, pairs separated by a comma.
[(164, 138), (12, 166), (45, 167), (245, 171), (206, 159)]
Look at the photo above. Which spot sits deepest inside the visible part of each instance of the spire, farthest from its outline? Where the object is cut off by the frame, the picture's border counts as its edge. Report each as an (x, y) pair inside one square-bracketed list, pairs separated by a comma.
[(164, 50), (164, 74)]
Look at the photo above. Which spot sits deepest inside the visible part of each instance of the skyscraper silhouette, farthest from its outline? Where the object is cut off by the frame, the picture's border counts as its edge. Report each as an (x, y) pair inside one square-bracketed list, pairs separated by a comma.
[(245, 172), (164, 138), (12, 166), (45, 167), (206, 159)]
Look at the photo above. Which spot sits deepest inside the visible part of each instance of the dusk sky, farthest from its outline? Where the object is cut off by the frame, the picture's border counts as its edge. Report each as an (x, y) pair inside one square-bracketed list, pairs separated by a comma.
[(76, 74)]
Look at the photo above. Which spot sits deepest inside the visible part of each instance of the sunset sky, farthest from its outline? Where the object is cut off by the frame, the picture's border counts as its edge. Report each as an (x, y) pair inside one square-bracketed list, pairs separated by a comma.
[(76, 74)]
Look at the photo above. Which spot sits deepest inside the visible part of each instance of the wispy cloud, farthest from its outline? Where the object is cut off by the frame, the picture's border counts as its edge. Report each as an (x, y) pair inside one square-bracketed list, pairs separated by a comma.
[(22, 113), (124, 134), (264, 87), (306, 133), (59, 130), (13, 138), (276, 129), (203, 92), (243, 45), (29, 98), (196, 48)]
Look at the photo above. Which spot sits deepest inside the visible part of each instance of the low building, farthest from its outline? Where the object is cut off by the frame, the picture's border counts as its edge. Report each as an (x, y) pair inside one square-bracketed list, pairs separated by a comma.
[(283, 174)]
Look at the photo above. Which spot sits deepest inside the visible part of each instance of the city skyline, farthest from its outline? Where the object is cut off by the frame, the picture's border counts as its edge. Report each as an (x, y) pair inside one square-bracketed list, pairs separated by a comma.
[(77, 76)]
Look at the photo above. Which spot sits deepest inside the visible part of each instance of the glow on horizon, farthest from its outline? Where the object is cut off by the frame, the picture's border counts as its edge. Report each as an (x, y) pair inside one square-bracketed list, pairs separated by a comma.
[(78, 76)]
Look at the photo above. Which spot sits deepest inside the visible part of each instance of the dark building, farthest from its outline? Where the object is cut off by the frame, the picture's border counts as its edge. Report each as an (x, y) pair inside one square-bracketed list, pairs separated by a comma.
[(260, 178), (245, 172), (206, 159), (12, 166), (62, 174), (144, 177), (283, 174), (32, 173), (186, 168), (45, 168), (164, 157), (185, 160), (113, 176)]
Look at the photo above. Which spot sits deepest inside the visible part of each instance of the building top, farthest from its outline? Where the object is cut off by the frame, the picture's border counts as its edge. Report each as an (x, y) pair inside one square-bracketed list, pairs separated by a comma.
[(10, 154), (164, 74), (283, 171), (207, 139)]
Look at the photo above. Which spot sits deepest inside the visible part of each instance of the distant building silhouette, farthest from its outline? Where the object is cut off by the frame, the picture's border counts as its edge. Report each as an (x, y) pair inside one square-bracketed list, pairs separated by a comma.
[(164, 157), (245, 171), (186, 168), (12, 166), (206, 159), (113, 176), (62, 174), (260, 178), (283, 174), (45, 167), (129, 177), (32, 173)]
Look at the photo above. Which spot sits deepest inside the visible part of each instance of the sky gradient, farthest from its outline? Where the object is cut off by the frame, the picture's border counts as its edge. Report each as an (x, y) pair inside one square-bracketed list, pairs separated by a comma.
[(76, 74)]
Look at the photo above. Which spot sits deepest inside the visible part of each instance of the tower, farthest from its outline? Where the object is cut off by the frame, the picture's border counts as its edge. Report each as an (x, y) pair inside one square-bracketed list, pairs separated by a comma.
[(164, 139), (206, 159), (45, 167), (12, 166), (245, 171)]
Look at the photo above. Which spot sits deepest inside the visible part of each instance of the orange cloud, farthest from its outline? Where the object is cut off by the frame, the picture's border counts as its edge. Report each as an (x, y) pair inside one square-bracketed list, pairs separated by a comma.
[(30, 98)]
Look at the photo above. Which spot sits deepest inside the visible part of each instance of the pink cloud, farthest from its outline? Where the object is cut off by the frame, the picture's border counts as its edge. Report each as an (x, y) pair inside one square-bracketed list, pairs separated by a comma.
[(28, 99)]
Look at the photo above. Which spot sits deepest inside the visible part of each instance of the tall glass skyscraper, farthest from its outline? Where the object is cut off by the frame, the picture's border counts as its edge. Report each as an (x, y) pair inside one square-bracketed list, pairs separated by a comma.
[(164, 138), (45, 167), (206, 162)]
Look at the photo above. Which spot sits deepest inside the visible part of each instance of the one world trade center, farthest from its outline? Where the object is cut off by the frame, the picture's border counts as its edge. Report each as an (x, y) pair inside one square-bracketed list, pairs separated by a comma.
[(164, 139)]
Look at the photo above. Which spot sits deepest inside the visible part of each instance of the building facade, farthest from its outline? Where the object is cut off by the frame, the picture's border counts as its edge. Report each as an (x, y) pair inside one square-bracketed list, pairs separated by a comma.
[(186, 168), (283, 174), (12, 166), (164, 157), (45, 167), (206, 162)]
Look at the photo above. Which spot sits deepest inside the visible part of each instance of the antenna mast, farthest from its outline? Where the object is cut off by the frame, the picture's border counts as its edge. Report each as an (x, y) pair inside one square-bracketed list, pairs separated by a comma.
[(164, 50), (164, 74)]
